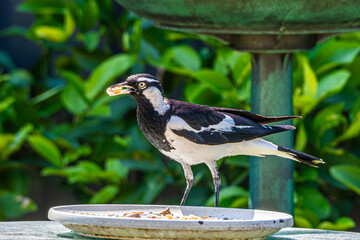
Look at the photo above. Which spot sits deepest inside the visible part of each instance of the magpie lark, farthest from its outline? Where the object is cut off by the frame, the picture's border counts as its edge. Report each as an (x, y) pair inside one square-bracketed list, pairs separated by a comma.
[(192, 134)]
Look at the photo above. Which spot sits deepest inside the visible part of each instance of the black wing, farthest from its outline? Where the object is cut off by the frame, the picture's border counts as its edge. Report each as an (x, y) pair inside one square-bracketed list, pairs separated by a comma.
[(205, 125), (253, 116)]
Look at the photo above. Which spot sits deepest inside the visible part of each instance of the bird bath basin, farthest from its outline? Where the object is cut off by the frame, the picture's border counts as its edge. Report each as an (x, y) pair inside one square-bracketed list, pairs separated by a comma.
[(287, 25), (271, 31)]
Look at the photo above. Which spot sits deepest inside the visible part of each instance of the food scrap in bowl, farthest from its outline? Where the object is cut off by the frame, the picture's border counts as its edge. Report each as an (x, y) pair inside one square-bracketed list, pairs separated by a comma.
[(167, 214)]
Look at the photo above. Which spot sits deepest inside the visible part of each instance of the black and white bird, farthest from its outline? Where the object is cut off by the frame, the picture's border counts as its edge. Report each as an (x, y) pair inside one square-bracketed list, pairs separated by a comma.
[(192, 134)]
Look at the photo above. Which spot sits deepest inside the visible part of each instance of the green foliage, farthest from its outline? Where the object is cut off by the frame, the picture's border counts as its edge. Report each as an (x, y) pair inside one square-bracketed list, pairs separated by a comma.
[(56, 118)]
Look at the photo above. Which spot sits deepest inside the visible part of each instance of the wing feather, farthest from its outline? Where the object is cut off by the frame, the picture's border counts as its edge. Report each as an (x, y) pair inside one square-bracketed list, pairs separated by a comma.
[(253, 116)]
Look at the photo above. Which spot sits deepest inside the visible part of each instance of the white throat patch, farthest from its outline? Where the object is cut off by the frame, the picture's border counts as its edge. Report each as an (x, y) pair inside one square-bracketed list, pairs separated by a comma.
[(156, 99)]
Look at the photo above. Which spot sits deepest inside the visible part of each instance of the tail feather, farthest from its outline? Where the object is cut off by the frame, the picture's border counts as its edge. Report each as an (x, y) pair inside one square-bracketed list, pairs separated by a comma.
[(300, 156)]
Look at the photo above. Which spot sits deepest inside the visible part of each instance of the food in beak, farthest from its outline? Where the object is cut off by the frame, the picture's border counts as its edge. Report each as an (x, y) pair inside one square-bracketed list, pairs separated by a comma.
[(118, 89)]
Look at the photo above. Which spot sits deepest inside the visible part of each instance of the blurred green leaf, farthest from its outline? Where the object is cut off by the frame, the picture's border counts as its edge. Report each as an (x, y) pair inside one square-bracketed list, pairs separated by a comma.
[(154, 186), (20, 137), (69, 23), (106, 72), (230, 192), (100, 111), (53, 34), (305, 217), (73, 101), (46, 95), (45, 148), (301, 138), (313, 200), (328, 118), (71, 156), (13, 31), (347, 175), (302, 222), (91, 15), (21, 78), (106, 194), (309, 174), (41, 6), (352, 131), (14, 205), (332, 84), (6, 103), (333, 53), (91, 40), (74, 79), (187, 57), (113, 164), (310, 84), (214, 80), (5, 141), (341, 224)]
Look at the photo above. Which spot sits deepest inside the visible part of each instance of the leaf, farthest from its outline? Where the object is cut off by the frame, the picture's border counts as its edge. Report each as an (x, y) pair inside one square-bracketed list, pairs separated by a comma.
[(348, 175), (214, 80), (332, 84), (13, 31), (46, 95), (91, 15), (45, 148), (106, 72), (302, 222), (73, 79), (329, 117), (42, 7), (308, 174), (187, 57), (21, 78), (56, 34), (73, 101), (154, 186), (306, 216), (104, 195), (53, 34), (352, 131), (69, 24), (6, 103), (334, 53), (13, 205), (310, 80), (91, 40), (301, 137), (341, 224), (115, 165), (20, 138), (228, 193), (5, 140), (313, 200), (99, 111)]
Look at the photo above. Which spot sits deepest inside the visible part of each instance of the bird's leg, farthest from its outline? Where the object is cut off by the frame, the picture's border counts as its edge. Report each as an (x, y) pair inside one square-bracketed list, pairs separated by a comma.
[(189, 181), (216, 179)]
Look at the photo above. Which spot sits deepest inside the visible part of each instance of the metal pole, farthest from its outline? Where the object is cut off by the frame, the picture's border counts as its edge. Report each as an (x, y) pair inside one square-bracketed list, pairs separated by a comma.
[(271, 178)]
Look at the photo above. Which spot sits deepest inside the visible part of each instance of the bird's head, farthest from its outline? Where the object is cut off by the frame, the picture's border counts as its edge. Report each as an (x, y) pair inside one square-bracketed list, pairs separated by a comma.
[(145, 89), (138, 85)]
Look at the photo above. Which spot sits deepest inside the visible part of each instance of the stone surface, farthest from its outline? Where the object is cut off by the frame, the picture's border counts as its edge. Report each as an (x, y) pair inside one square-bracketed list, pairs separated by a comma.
[(54, 230)]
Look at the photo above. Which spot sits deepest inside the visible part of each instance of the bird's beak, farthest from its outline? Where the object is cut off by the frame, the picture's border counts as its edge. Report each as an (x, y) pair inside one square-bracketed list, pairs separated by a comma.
[(120, 88)]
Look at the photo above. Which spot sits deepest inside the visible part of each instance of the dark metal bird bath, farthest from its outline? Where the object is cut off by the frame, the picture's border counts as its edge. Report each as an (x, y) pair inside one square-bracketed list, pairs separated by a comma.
[(271, 31)]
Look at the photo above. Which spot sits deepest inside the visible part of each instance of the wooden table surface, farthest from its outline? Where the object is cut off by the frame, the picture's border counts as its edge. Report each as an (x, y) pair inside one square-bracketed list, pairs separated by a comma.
[(34, 230)]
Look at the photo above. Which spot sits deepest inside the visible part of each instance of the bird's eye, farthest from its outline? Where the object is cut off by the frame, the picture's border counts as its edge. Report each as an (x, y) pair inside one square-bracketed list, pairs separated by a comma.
[(142, 85)]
